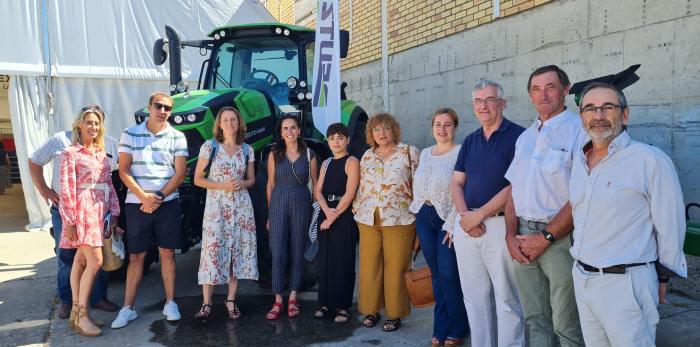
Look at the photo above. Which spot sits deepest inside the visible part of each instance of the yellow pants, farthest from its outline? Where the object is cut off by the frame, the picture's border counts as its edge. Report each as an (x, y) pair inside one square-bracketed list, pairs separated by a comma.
[(385, 254)]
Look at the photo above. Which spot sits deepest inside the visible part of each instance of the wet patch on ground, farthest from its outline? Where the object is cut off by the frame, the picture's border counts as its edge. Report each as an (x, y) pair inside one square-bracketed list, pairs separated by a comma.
[(252, 329)]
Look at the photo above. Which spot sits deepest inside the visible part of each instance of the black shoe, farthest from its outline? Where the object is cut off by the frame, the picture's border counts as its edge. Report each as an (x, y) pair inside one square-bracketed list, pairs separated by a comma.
[(106, 305), (64, 311)]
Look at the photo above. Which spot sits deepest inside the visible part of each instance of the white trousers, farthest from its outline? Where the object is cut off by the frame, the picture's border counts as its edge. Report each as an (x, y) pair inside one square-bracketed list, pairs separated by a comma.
[(489, 287), (618, 309)]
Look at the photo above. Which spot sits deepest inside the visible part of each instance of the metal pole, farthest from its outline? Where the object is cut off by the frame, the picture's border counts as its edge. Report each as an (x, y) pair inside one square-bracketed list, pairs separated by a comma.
[(385, 58)]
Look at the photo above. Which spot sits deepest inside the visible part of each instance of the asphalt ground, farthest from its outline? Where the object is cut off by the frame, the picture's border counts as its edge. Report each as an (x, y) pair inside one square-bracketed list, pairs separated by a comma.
[(28, 307)]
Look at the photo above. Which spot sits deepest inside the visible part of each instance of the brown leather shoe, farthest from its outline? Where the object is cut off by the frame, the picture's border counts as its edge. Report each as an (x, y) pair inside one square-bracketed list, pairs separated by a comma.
[(63, 311), (106, 305)]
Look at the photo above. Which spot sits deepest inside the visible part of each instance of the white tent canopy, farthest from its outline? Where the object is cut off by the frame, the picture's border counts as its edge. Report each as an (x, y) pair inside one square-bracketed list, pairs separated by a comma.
[(63, 55)]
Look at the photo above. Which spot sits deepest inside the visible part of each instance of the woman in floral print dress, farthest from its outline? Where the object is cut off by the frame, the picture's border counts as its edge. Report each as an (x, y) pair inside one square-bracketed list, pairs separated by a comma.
[(86, 196), (229, 249)]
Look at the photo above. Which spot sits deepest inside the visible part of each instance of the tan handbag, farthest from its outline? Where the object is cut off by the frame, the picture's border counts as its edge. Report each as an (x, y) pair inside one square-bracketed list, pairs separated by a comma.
[(110, 261), (419, 284)]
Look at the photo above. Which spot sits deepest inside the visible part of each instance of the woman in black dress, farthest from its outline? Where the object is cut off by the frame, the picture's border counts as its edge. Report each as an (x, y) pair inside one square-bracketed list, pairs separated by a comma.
[(338, 233)]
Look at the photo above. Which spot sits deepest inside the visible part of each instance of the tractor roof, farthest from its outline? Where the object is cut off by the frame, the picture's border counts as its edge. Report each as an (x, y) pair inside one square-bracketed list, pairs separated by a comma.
[(261, 25)]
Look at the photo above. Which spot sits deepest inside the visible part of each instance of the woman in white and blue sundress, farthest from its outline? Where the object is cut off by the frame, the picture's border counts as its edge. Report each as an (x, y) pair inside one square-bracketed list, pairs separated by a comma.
[(229, 250)]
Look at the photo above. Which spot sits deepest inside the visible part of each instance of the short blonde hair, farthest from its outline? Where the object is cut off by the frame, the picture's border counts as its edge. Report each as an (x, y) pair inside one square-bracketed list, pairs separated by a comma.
[(382, 119), (218, 132), (91, 109)]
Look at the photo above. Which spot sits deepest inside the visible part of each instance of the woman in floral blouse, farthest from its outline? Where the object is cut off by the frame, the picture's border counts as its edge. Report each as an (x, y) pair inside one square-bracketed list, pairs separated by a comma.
[(229, 250), (387, 226), (86, 196)]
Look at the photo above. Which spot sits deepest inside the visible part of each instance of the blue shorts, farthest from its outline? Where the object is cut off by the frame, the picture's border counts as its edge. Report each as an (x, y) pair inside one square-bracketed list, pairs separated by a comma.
[(162, 226)]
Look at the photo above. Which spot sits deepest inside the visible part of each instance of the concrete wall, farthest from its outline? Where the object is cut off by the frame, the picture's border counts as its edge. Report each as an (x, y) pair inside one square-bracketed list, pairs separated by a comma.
[(587, 38)]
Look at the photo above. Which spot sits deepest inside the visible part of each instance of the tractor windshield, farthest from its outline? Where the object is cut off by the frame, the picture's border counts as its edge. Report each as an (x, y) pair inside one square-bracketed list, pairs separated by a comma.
[(263, 64)]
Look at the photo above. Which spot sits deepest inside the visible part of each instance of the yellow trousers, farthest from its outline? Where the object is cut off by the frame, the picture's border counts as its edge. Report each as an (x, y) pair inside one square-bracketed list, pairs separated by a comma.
[(385, 254)]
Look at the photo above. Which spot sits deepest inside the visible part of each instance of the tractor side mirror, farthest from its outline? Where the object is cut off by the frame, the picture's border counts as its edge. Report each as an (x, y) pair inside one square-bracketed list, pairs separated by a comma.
[(344, 43), (159, 53)]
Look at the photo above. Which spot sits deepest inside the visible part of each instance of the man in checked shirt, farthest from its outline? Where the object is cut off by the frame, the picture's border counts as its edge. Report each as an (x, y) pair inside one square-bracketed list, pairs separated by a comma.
[(627, 207)]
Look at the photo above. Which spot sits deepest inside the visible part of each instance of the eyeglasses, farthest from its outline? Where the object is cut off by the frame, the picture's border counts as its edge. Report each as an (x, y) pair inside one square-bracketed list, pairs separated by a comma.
[(489, 101), (605, 110), (380, 128), (158, 106)]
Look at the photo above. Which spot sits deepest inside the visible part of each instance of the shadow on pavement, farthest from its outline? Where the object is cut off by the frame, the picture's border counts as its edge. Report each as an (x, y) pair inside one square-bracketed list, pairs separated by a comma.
[(252, 329)]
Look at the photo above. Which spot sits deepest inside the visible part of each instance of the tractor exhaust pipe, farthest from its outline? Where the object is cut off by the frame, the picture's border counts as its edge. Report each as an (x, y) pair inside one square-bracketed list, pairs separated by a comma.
[(174, 48)]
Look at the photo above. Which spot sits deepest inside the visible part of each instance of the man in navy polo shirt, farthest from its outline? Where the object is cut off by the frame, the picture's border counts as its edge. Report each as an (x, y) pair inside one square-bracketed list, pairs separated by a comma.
[(479, 191)]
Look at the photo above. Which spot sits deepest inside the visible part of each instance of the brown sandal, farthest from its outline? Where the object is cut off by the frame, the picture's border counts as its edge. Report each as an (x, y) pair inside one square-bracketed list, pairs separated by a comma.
[(83, 314), (371, 320), (74, 314), (233, 313), (203, 313)]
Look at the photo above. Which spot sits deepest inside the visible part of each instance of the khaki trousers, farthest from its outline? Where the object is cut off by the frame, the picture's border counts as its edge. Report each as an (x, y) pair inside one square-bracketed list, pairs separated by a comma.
[(547, 296), (385, 253)]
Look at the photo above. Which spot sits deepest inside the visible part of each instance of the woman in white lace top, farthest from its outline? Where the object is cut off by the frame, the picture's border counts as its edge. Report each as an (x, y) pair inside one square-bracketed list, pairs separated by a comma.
[(433, 205)]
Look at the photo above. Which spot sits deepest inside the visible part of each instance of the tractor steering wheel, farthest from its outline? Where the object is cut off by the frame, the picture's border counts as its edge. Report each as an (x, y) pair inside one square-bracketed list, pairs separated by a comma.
[(270, 77)]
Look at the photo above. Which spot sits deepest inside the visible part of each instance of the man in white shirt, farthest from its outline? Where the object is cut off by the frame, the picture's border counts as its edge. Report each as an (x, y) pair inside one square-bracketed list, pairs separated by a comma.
[(627, 207), (538, 216), (51, 152)]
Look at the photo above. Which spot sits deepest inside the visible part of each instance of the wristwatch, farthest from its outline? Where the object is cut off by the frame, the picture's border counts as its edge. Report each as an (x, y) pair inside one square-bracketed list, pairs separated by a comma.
[(548, 236), (160, 194)]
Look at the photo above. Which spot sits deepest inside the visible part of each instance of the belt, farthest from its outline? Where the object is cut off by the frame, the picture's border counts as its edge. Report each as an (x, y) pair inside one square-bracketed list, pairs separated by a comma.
[(615, 269), (93, 185), (333, 197), (532, 224), (96, 186)]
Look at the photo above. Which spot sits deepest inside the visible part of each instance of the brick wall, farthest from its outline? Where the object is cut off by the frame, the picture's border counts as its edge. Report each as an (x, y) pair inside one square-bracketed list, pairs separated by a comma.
[(410, 22)]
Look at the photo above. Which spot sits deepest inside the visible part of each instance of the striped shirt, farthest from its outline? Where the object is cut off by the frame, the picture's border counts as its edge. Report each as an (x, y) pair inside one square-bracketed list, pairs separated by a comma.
[(152, 157)]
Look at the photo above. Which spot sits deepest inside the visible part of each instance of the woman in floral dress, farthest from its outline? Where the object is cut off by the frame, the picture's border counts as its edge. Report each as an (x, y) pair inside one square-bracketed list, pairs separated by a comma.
[(86, 196), (229, 248)]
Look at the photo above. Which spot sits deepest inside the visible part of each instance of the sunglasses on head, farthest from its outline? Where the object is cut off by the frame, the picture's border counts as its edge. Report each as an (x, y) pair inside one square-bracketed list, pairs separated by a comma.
[(158, 106)]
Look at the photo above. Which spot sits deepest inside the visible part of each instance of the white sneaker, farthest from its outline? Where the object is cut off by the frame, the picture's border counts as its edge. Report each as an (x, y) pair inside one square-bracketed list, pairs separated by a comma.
[(171, 312), (125, 316)]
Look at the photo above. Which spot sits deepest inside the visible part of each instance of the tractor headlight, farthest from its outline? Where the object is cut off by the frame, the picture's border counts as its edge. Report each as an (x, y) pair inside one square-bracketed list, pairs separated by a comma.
[(222, 33), (292, 83), (286, 32), (300, 96), (302, 84), (191, 117), (278, 31), (217, 36), (178, 119), (309, 95)]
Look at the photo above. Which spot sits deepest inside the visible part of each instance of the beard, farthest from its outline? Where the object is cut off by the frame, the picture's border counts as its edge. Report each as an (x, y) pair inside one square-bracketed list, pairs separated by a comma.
[(607, 135)]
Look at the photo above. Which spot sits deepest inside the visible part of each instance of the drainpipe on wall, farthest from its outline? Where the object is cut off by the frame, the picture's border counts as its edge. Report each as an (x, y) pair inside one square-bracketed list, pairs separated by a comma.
[(385, 58), (496, 9)]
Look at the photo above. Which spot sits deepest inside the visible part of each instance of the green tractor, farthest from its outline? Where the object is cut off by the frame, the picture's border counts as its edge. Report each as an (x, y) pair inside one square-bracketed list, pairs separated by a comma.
[(265, 71)]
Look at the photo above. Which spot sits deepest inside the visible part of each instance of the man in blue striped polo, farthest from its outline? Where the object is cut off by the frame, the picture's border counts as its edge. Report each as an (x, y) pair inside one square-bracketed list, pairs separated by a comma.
[(152, 164)]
